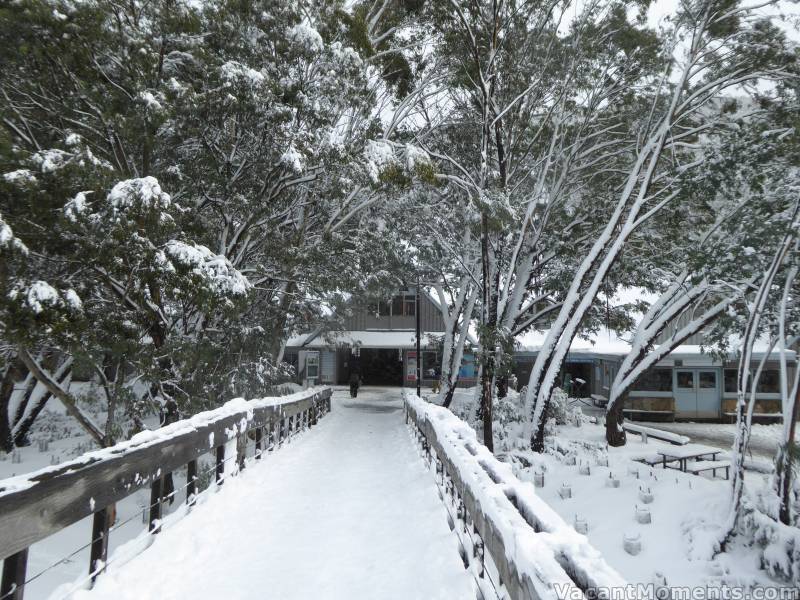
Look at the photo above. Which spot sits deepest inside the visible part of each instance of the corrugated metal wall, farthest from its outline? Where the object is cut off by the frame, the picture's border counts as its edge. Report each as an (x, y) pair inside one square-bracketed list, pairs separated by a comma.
[(363, 319)]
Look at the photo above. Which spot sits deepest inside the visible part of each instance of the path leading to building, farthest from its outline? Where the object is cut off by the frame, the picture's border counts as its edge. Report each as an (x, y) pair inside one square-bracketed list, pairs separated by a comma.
[(347, 510)]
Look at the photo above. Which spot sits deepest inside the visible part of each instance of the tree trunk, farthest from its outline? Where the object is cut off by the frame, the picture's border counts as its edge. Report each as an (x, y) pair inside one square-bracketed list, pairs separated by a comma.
[(486, 404), (13, 373), (615, 434), (449, 392), (784, 467)]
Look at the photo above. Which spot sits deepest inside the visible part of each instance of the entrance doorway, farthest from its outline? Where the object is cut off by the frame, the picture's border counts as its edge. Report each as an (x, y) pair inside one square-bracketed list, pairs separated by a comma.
[(381, 366), (697, 393)]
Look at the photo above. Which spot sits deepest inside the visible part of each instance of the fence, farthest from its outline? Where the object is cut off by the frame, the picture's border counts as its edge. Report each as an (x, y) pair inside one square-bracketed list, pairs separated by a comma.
[(41, 503), (522, 546)]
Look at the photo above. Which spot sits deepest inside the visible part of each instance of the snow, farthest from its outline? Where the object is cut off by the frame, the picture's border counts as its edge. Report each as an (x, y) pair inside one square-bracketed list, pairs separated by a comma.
[(50, 160), (144, 192), (346, 510), (149, 437), (538, 543), (687, 511), (406, 339), (604, 341), (40, 295), (233, 72), (307, 36), (75, 207), (7, 239), (213, 268), (293, 159), (149, 100), (20, 176), (378, 155)]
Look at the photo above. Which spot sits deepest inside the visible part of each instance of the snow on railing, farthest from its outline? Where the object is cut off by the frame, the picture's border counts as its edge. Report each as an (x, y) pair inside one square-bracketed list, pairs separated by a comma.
[(38, 504), (535, 554)]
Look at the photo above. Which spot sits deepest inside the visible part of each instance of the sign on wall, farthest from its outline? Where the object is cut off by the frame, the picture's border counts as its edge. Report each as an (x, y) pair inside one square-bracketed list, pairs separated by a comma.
[(411, 366)]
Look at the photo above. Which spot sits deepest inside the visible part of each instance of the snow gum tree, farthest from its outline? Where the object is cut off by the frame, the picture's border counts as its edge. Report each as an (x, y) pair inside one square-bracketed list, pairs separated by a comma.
[(716, 47), (188, 163)]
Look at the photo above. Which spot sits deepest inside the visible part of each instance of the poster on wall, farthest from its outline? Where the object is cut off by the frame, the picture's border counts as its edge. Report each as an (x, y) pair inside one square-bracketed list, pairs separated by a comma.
[(411, 366)]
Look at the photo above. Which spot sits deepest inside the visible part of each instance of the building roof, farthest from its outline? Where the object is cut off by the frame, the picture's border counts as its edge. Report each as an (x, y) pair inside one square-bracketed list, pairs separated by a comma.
[(608, 343), (373, 338)]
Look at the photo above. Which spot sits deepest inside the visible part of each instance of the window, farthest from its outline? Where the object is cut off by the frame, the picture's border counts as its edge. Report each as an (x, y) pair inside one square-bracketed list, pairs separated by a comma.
[(707, 380), (768, 383), (397, 305), (312, 365), (409, 306), (654, 380), (730, 381), (686, 380)]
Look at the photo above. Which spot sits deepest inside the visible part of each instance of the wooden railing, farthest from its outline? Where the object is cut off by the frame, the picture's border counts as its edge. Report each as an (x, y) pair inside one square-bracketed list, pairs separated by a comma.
[(532, 552), (41, 503)]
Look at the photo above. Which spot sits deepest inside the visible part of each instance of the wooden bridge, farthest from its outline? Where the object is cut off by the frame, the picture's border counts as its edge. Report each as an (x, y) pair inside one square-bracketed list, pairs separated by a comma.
[(382, 497)]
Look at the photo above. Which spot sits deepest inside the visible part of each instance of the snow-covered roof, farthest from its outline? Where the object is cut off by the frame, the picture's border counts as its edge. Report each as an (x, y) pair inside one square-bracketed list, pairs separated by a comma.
[(606, 342), (370, 338), (603, 341)]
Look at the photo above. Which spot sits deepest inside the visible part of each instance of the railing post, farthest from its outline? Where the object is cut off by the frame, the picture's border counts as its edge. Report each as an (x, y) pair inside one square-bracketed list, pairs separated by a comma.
[(291, 425), (155, 506), (220, 464), (281, 434), (99, 550), (13, 582), (241, 450), (191, 482), (259, 434)]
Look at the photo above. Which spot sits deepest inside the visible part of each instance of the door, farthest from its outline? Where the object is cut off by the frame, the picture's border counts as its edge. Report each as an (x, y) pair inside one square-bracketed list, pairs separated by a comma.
[(697, 393), (312, 367), (708, 393), (685, 394)]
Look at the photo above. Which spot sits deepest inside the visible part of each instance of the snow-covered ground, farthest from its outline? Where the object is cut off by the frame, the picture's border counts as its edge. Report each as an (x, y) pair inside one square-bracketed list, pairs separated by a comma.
[(347, 510), (686, 510)]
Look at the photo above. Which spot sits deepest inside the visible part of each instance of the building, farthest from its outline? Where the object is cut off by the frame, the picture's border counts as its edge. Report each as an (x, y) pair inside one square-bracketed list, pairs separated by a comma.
[(688, 384), (377, 339)]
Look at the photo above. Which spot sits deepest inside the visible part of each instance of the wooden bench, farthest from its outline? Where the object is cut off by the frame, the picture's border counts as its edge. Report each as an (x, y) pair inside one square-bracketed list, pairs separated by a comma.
[(709, 465)]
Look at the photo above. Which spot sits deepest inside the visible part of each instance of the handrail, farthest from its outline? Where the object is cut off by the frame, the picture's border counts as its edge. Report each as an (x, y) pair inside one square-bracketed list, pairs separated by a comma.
[(38, 504), (536, 554)]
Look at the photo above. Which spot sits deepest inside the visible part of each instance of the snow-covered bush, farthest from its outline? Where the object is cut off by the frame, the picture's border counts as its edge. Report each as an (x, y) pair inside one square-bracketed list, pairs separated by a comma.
[(562, 410)]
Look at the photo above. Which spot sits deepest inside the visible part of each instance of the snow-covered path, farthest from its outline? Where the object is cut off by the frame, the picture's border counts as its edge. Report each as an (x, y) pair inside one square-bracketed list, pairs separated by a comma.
[(347, 510)]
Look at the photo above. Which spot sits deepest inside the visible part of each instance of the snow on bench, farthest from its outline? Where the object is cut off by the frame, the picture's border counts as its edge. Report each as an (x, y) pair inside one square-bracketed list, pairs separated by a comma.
[(659, 434), (709, 465), (653, 459), (536, 553)]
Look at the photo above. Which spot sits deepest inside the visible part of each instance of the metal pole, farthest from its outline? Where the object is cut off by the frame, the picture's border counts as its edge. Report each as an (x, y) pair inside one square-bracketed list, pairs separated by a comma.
[(419, 356)]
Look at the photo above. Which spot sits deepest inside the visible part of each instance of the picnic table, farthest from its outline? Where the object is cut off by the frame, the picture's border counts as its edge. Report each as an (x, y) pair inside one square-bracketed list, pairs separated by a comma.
[(682, 454)]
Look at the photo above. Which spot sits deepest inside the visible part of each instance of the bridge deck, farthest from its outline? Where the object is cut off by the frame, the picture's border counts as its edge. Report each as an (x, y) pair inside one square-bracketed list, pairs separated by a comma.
[(346, 511)]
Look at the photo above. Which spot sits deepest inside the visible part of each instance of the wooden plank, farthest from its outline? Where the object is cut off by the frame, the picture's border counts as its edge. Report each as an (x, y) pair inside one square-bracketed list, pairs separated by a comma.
[(59, 497)]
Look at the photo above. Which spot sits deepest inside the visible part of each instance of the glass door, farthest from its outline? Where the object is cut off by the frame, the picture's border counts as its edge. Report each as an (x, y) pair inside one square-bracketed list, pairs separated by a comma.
[(685, 393), (708, 393)]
